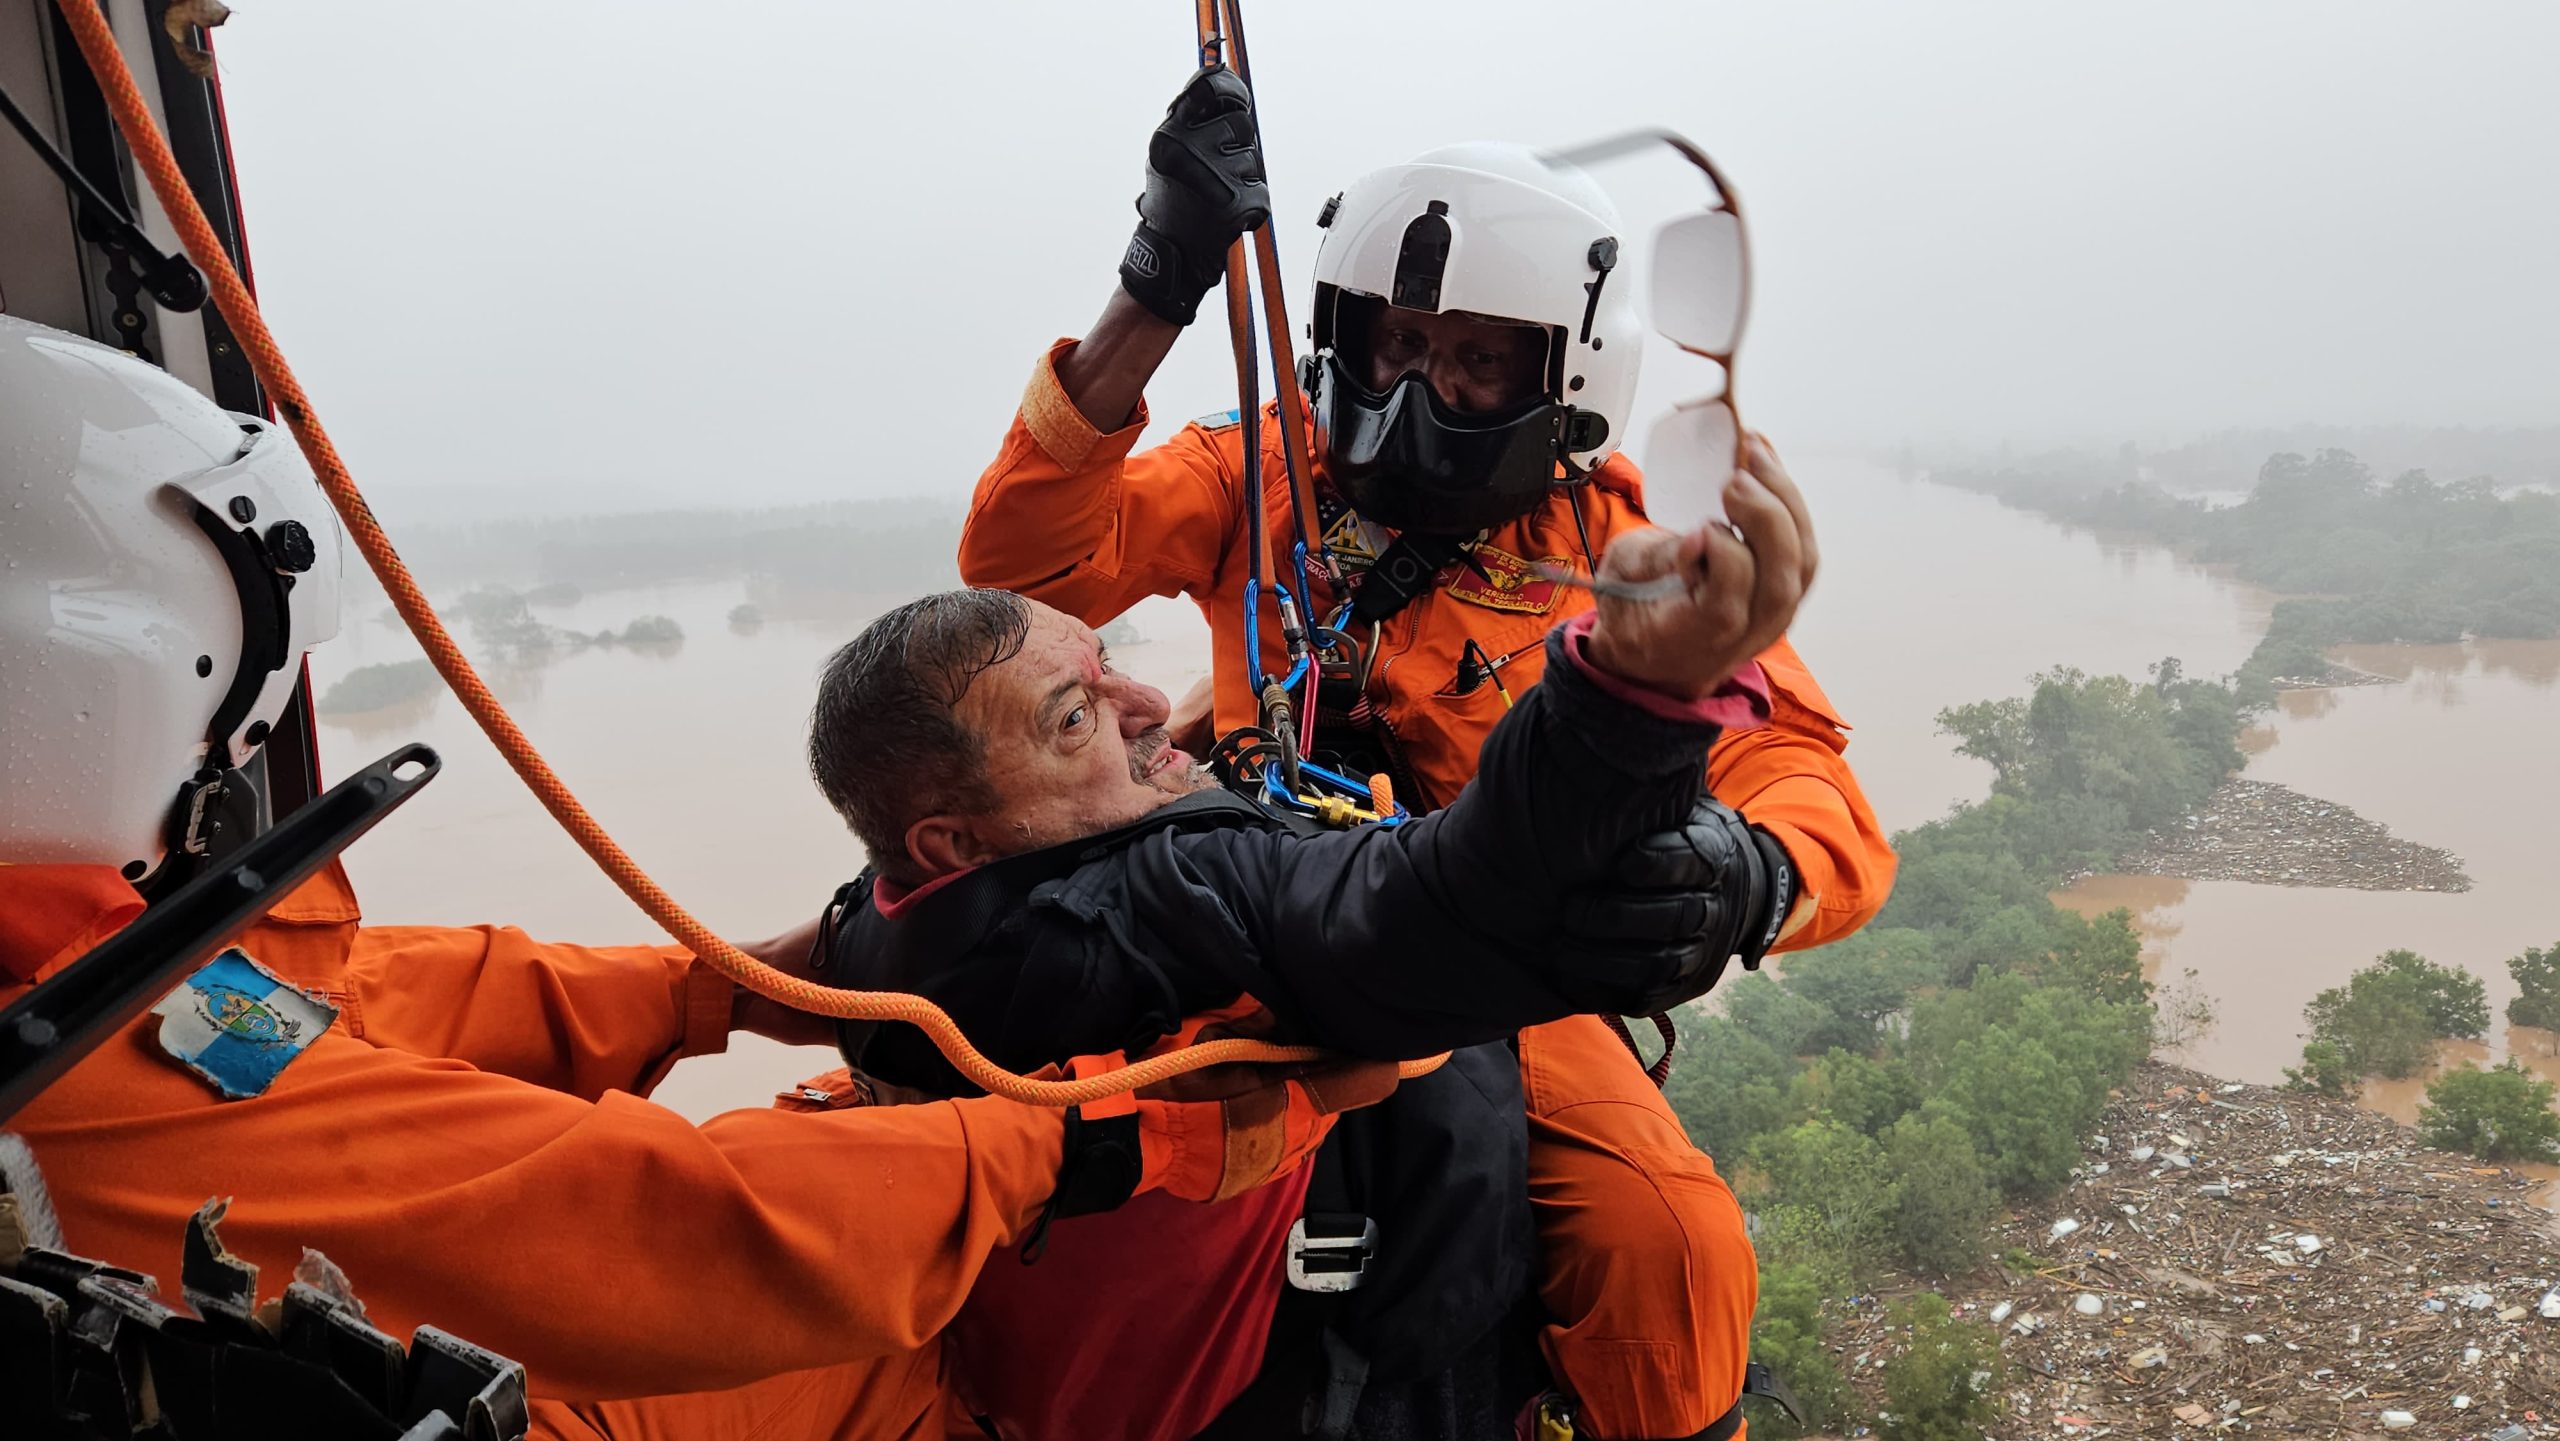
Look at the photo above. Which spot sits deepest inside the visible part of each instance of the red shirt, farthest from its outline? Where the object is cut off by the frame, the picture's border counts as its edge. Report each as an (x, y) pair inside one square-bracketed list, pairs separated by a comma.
[(1102, 1340)]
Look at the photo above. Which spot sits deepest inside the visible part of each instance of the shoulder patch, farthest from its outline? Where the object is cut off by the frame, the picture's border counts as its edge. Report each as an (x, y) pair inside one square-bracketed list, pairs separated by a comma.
[(1220, 420), (1508, 583), (238, 1025)]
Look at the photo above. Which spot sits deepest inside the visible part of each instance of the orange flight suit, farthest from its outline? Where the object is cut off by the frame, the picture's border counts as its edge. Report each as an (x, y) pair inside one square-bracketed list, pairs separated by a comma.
[(468, 1141), (1651, 1340)]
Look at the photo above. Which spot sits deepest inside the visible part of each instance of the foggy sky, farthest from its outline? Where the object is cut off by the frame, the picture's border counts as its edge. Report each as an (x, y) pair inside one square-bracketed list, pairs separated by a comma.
[(553, 256)]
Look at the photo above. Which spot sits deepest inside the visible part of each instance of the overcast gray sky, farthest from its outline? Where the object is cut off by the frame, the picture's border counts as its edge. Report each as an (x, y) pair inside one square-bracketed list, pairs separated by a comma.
[(540, 255)]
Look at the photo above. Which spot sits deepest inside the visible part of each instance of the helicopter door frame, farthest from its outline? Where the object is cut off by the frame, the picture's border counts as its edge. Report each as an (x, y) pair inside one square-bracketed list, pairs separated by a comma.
[(51, 274)]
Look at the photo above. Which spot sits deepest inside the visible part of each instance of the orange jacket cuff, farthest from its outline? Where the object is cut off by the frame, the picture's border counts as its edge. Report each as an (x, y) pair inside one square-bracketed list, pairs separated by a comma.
[(707, 1000), (1058, 428)]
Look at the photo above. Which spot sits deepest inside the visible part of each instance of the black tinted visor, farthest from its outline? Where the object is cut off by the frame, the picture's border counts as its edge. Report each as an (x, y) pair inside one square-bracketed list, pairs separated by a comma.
[(1409, 461), (1347, 321)]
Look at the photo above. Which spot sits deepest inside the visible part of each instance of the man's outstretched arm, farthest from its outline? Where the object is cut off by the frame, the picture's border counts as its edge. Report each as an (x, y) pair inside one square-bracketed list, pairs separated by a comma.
[(1452, 929)]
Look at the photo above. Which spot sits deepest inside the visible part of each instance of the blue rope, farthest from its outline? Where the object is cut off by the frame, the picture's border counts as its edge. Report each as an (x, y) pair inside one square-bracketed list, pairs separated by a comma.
[(1253, 632), (1356, 791)]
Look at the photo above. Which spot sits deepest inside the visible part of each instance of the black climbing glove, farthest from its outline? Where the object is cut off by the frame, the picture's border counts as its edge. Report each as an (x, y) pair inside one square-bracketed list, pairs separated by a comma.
[(1678, 907), (1204, 188)]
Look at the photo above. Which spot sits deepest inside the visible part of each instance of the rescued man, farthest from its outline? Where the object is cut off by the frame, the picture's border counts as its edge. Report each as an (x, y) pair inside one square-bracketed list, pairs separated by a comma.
[(1649, 1342), (1055, 872)]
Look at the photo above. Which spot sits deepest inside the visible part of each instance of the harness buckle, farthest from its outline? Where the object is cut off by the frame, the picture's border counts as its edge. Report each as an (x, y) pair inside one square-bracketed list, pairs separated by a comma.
[(1331, 1252)]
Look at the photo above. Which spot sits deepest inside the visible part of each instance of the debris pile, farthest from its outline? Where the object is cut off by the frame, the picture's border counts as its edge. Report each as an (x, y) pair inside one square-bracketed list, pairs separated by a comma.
[(2235, 1259), (2277, 836), (2333, 676)]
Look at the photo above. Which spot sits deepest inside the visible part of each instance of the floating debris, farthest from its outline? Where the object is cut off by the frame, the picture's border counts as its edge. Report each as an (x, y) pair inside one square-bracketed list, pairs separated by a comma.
[(2331, 1270), (2275, 835)]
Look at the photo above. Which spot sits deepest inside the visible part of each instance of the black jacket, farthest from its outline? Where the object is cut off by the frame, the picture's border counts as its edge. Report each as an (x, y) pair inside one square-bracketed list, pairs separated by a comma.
[(1580, 871), (1454, 929)]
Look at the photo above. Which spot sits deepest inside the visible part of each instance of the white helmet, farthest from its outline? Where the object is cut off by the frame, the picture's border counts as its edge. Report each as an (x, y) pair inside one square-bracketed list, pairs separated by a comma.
[(164, 565), (1494, 230)]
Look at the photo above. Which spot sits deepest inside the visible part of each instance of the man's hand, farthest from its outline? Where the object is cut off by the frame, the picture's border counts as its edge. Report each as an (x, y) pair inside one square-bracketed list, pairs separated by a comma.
[(794, 952), (1204, 188), (1742, 591)]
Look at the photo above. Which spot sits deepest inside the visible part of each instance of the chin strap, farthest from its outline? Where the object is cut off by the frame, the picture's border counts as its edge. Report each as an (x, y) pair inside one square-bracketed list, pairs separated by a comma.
[(1405, 569)]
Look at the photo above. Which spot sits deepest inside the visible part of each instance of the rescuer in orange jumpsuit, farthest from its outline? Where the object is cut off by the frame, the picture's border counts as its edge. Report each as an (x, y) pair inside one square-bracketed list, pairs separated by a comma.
[(454, 1115), (1459, 370)]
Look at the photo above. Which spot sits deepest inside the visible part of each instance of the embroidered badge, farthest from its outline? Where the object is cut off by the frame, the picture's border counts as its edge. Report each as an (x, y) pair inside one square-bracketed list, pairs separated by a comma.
[(1220, 420), (1355, 543), (235, 1024), (1507, 583)]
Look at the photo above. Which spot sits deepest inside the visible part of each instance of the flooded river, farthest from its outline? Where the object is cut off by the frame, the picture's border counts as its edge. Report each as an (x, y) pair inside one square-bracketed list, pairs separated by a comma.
[(1929, 598)]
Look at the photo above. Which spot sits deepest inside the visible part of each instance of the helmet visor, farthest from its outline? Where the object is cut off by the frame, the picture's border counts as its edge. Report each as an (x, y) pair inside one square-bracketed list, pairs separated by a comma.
[(1406, 459)]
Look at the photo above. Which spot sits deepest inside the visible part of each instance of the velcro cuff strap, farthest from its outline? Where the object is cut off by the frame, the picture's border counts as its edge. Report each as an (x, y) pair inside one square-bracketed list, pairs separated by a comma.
[(1781, 890), (1160, 275), (1103, 1164)]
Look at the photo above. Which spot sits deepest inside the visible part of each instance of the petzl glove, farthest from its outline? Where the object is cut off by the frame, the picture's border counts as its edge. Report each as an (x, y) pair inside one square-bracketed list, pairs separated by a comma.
[(1204, 188), (1679, 906)]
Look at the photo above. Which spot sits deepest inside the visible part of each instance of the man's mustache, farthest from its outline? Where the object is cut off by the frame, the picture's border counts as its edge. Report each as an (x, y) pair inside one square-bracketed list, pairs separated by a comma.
[(1145, 749)]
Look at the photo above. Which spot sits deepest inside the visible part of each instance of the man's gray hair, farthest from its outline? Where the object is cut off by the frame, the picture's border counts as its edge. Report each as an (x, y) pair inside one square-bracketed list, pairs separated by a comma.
[(886, 743)]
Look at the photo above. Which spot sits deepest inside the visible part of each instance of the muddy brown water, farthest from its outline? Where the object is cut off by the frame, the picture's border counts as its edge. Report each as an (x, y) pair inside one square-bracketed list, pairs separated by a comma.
[(1929, 598), (2456, 755)]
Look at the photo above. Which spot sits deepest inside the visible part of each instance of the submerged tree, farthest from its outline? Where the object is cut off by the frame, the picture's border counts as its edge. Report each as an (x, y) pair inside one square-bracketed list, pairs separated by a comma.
[(2537, 978), (2386, 1019), (1946, 1383), (2502, 1114), (1944, 1201), (2324, 1072), (1786, 1336), (372, 687)]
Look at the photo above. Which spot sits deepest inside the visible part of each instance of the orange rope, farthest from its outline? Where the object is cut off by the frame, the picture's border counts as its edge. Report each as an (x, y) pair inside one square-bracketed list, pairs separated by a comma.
[(160, 167), (1284, 367)]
